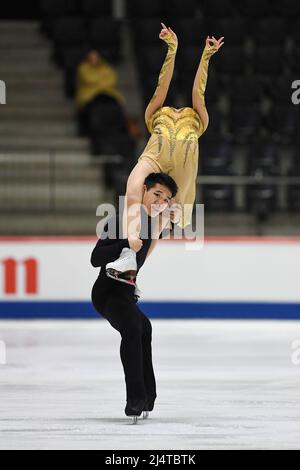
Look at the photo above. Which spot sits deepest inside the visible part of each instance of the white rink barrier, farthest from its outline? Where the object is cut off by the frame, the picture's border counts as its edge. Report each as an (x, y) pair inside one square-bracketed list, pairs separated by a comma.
[(230, 277)]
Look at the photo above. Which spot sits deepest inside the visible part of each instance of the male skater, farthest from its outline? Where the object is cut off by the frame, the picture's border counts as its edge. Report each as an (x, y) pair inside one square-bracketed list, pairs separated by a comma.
[(116, 301)]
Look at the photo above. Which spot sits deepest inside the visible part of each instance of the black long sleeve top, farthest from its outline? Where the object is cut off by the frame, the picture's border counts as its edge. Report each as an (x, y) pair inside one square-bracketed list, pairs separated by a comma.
[(109, 249)]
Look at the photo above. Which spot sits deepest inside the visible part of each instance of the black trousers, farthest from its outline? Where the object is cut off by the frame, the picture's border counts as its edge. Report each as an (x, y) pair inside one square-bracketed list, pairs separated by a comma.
[(122, 312)]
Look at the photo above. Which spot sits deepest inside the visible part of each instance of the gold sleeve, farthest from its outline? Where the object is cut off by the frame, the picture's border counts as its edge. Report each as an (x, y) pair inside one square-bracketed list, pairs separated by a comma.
[(169, 61), (202, 73)]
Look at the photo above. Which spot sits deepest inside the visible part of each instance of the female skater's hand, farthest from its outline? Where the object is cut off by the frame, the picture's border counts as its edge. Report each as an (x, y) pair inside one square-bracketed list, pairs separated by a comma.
[(135, 243), (172, 213), (175, 213), (168, 35), (213, 44)]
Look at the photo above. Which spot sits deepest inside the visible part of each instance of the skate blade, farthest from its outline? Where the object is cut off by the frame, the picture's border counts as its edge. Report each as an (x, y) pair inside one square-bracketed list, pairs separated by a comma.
[(145, 414), (134, 419), (116, 276)]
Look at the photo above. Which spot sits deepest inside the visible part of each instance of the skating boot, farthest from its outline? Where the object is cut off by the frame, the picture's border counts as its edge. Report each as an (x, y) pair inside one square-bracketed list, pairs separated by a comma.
[(149, 405), (134, 409), (124, 269)]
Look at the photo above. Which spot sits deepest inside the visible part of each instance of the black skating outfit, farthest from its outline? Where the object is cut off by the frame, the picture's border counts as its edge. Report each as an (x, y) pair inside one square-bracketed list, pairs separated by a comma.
[(116, 302)]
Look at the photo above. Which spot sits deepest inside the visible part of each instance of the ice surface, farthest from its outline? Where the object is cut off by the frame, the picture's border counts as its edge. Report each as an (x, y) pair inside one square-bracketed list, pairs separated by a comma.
[(221, 385)]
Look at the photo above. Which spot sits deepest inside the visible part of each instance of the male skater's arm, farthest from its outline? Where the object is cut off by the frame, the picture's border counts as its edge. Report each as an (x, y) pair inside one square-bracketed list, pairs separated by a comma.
[(107, 250)]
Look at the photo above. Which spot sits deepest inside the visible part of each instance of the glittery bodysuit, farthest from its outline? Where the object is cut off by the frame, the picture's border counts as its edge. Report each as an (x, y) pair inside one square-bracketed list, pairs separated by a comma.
[(173, 149), (173, 145)]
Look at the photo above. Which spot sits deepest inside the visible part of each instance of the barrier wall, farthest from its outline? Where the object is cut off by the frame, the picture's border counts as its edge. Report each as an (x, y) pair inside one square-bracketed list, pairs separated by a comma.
[(233, 277)]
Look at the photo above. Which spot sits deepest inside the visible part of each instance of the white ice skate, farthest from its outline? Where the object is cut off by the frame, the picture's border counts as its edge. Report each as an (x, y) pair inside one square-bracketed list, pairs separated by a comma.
[(124, 269)]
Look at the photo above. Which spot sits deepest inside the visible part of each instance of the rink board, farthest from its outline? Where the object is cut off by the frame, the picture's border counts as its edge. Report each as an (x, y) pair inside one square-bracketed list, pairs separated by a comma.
[(231, 277)]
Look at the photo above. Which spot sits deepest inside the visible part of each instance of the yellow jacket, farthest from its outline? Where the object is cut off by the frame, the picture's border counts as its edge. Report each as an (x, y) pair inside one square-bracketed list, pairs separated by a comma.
[(94, 80)]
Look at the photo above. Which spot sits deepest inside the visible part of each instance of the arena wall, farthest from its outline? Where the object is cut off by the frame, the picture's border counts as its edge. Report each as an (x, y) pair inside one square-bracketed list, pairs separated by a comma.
[(233, 277)]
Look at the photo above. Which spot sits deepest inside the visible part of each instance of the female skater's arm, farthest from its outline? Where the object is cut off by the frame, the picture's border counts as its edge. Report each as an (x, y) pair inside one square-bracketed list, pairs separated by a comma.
[(166, 72), (211, 47), (162, 224)]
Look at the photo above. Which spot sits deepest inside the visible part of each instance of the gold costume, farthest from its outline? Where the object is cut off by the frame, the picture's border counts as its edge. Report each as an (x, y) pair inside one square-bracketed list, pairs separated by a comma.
[(173, 145), (173, 149)]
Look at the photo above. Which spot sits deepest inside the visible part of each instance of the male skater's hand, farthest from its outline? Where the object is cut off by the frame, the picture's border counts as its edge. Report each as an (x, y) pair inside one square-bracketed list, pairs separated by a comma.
[(135, 243)]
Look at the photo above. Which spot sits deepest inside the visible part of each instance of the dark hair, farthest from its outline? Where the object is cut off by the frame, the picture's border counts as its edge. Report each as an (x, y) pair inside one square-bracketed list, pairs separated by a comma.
[(163, 179)]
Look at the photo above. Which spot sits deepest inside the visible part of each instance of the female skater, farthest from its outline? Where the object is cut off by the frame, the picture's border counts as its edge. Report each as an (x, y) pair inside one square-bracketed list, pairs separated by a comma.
[(172, 147)]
